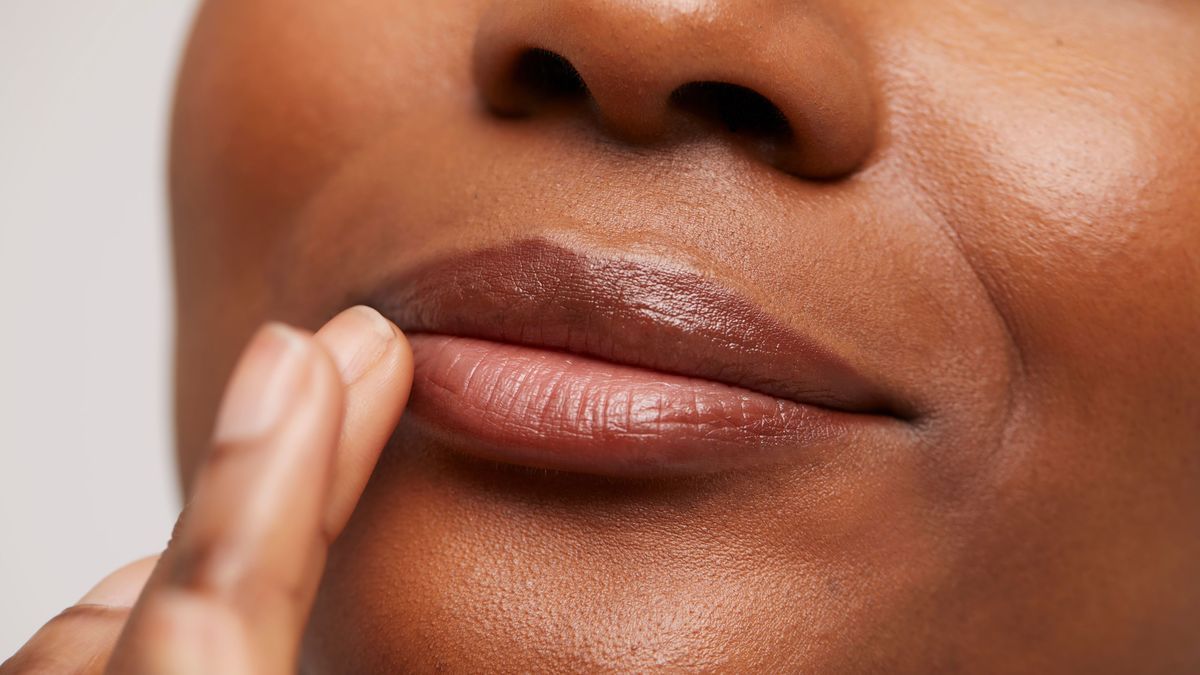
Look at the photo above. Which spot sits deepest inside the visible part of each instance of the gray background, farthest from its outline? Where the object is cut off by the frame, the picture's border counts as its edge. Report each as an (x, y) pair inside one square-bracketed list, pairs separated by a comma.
[(86, 480)]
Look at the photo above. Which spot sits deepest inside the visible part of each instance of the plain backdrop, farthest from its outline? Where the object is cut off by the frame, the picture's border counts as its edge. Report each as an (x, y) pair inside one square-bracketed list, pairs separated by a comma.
[(86, 479)]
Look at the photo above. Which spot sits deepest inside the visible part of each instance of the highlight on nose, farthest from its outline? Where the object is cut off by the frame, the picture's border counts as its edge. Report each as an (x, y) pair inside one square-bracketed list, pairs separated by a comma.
[(789, 89)]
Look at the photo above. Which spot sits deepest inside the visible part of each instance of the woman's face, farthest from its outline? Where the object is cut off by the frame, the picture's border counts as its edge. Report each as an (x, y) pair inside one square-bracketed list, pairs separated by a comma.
[(933, 267)]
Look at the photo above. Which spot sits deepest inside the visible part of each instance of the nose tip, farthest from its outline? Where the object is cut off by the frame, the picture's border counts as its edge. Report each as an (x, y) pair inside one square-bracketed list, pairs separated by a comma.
[(784, 84)]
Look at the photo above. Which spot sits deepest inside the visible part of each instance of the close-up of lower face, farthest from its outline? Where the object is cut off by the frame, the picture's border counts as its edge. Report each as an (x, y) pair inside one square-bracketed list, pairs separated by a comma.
[(832, 336)]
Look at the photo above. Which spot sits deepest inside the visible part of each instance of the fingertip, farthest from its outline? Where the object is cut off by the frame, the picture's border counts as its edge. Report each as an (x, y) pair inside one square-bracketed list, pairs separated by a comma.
[(375, 400), (378, 322), (402, 356), (121, 588), (360, 340)]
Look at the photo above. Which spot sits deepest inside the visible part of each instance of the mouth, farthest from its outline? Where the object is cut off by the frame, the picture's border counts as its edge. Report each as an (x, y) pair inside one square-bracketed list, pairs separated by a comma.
[(539, 354)]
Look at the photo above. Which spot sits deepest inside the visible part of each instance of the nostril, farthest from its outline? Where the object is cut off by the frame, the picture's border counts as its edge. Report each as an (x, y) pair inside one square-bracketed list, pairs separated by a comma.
[(784, 89), (736, 109), (540, 76)]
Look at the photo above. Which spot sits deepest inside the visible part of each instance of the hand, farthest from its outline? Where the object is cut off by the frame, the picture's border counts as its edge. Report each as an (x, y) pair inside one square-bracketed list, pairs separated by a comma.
[(298, 433)]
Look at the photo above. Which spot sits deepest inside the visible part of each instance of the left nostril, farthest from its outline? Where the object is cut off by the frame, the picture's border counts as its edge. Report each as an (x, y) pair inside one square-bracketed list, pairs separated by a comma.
[(541, 77), (736, 109)]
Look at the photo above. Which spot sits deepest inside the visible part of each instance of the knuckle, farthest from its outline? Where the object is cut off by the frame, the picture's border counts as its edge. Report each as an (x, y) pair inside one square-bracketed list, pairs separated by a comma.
[(223, 453), (215, 568), (202, 563)]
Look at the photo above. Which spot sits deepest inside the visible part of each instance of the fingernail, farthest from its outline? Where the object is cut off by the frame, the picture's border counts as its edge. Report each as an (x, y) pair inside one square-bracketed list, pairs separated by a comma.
[(121, 588), (263, 383), (356, 339)]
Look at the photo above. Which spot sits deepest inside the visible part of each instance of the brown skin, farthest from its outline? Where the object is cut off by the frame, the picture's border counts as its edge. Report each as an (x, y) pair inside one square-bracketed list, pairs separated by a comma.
[(991, 205), (1011, 230)]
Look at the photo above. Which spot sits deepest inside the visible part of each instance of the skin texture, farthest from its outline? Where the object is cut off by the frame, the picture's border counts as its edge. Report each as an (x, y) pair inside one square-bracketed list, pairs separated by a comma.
[(989, 203)]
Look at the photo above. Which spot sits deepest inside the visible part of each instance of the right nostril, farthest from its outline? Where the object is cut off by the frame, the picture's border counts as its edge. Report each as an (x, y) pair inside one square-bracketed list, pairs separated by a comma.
[(736, 109), (541, 76)]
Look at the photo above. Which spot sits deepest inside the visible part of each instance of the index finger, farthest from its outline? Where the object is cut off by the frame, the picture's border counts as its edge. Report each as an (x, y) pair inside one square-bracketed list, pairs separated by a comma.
[(233, 590)]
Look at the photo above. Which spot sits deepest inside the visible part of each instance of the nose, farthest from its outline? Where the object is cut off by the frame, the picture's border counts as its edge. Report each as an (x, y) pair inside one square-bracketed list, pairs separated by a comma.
[(775, 77)]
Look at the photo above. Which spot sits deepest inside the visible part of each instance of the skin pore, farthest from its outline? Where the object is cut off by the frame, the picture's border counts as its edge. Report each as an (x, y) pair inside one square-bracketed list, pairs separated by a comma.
[(988, 206)]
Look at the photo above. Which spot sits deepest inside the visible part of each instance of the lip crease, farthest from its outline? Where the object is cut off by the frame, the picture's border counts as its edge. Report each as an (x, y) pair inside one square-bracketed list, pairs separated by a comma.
[(539, 354)]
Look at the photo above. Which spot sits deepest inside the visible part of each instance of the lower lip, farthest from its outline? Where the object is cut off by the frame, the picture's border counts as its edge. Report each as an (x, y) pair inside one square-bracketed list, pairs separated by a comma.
[(559, 411)]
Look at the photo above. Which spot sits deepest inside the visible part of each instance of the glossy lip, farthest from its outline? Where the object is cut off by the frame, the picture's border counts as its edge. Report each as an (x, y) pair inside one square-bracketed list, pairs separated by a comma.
[(701, 378)]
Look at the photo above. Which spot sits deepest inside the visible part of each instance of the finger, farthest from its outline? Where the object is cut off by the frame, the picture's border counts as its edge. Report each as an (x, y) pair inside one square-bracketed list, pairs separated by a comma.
[(122, 587), (232, 591), (80, 639), (378, 378)]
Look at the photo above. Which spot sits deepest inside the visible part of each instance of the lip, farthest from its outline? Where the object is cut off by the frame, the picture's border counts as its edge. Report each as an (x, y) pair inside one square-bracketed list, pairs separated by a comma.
[(542, 354)]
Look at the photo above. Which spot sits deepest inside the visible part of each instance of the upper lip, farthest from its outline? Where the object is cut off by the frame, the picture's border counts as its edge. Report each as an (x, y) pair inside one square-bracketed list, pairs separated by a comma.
[(629, 309)]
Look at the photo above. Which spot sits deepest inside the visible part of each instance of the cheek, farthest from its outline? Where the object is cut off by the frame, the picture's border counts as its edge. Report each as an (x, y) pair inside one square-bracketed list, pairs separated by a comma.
[(1070, 184), (1070, 187), (274, 96)]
